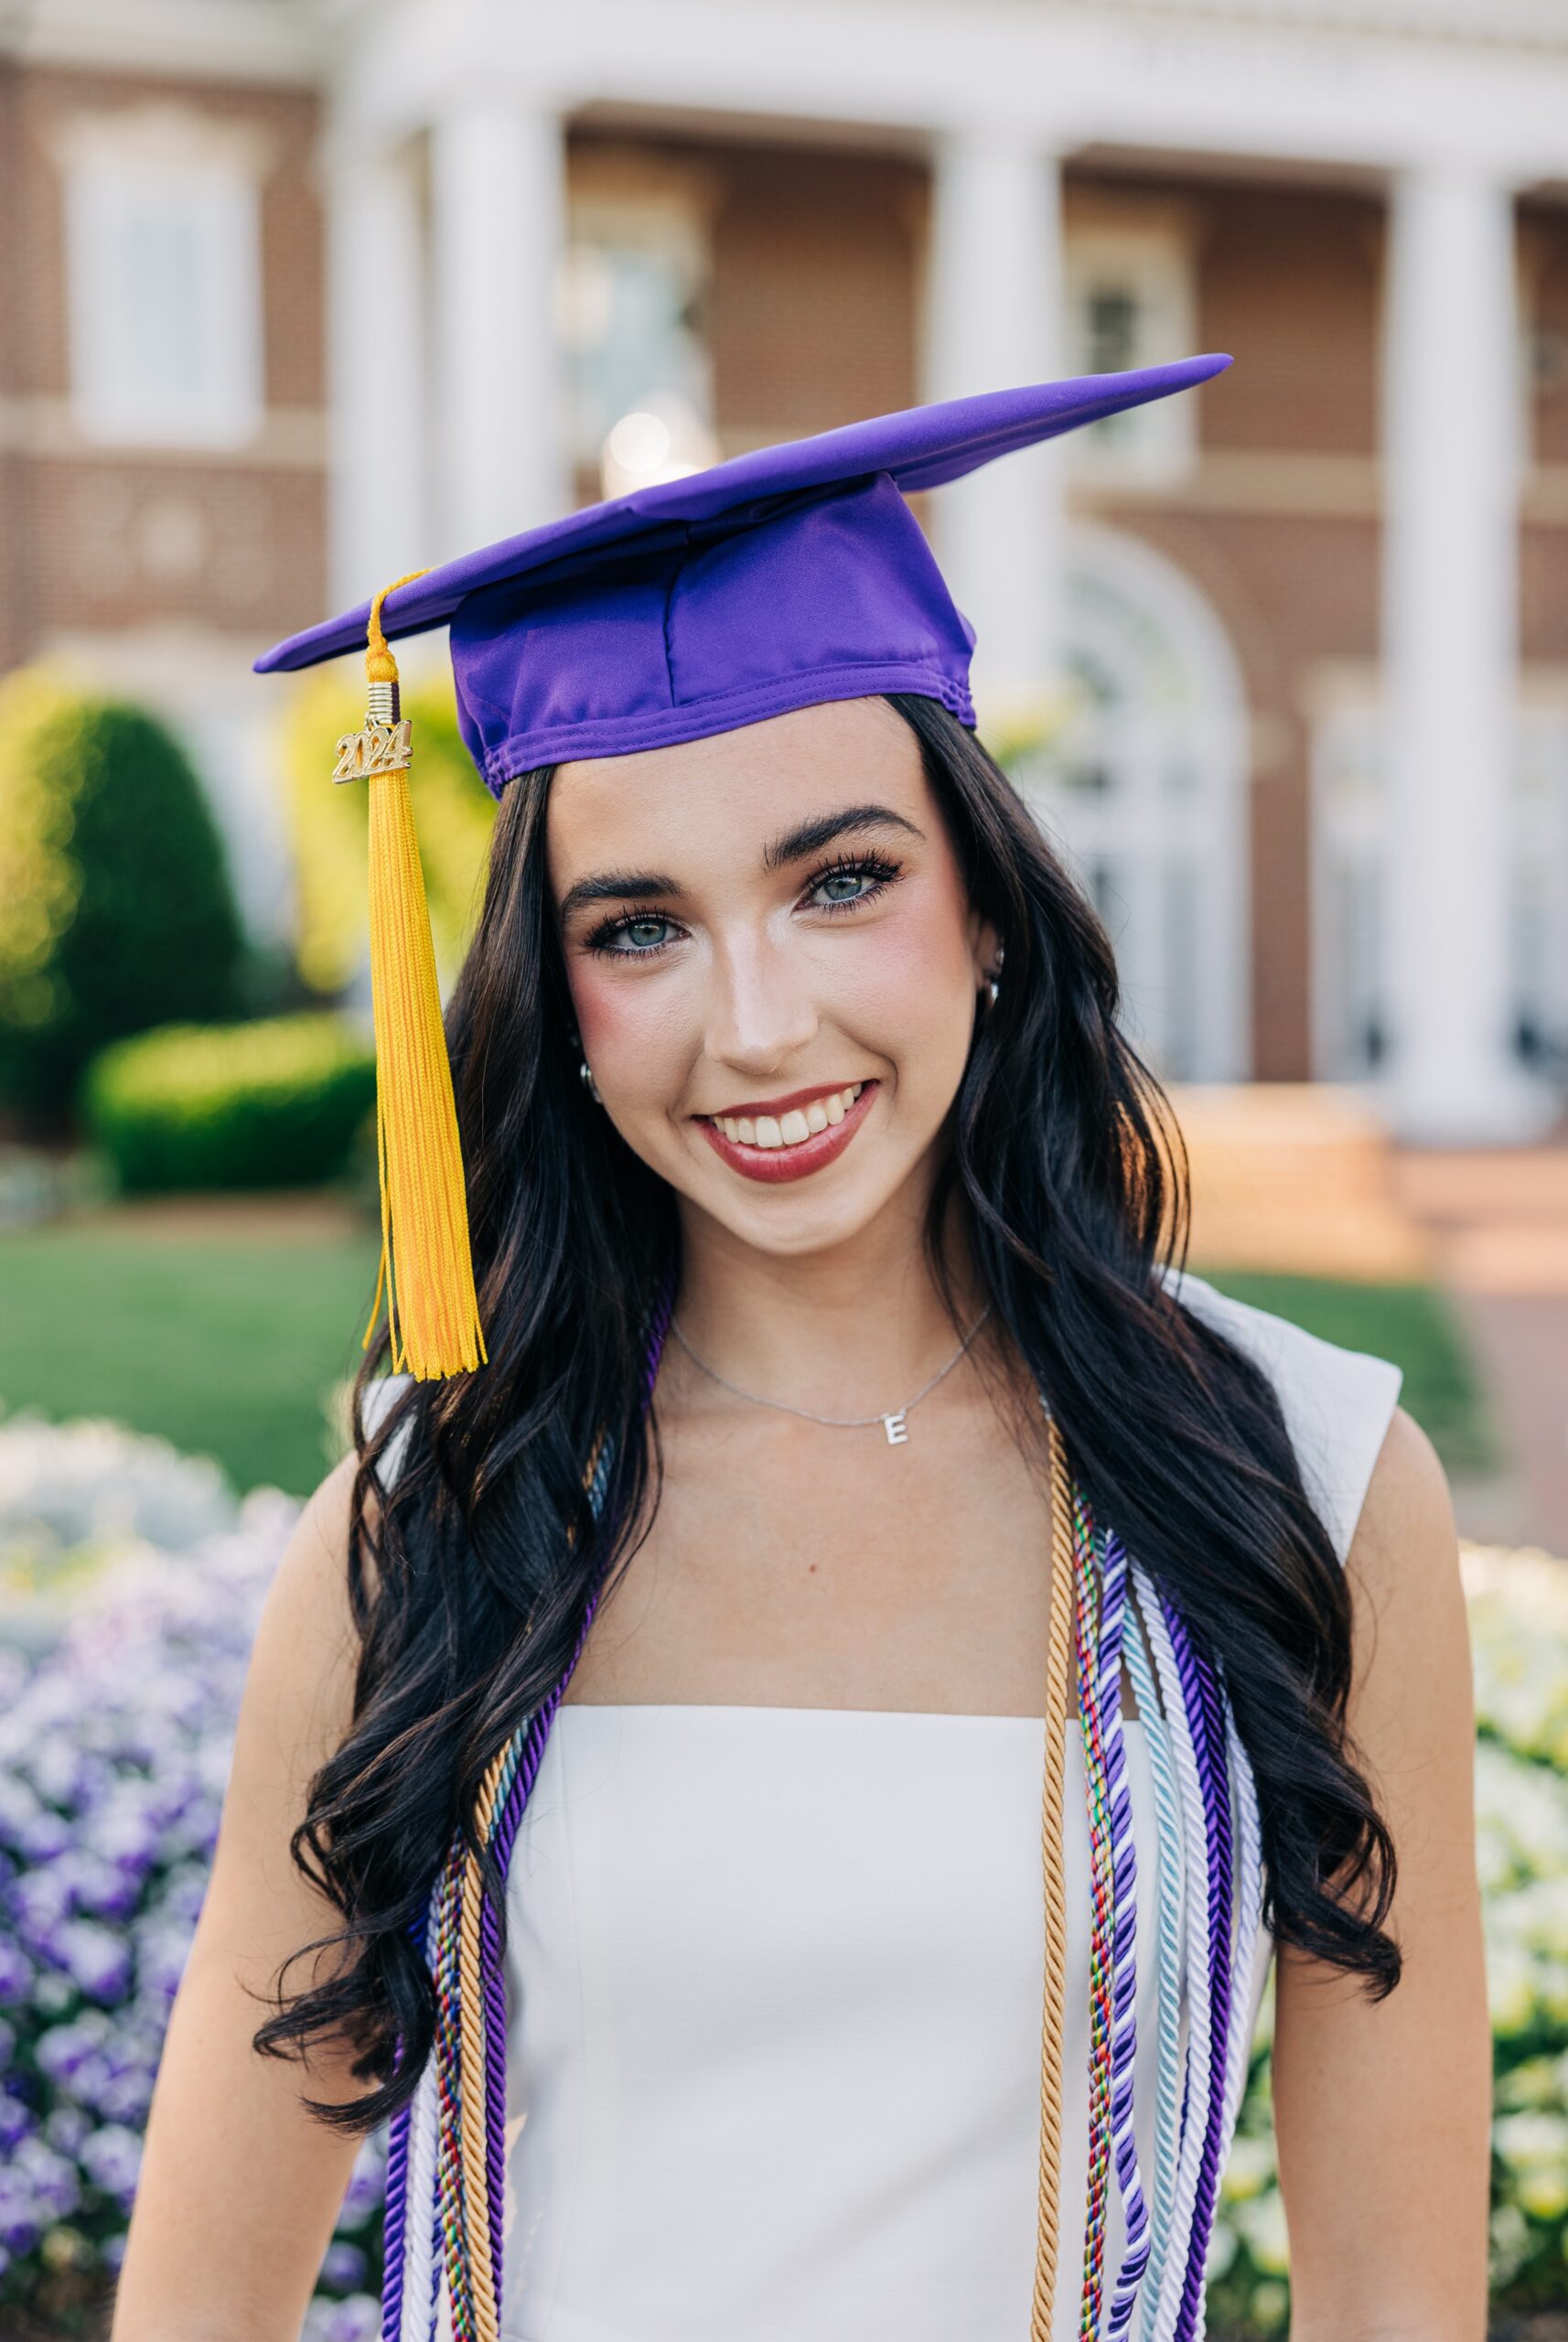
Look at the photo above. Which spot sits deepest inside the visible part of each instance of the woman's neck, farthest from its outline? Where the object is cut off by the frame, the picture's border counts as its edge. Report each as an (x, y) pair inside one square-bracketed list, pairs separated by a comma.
[(850, 1331)]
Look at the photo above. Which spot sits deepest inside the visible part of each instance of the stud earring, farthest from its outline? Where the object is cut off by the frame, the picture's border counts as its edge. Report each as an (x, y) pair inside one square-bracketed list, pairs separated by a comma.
[(589, 1084)]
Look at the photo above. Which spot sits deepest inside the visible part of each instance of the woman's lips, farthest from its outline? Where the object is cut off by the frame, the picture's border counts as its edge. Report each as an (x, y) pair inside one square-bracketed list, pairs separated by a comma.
[(772, 1165)]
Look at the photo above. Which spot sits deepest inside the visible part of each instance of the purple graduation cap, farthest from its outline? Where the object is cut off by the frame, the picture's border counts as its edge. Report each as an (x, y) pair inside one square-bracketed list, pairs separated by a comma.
[(785, 577), (782, 577)]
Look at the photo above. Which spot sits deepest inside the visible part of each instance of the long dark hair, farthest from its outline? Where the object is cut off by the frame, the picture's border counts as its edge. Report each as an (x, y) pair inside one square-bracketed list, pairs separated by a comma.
[(470, 1567)]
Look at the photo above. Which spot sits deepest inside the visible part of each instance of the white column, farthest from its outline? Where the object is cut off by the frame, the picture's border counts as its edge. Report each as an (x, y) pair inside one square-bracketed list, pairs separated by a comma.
[(1451, 657), (994, 301), (378, 511), (497, 197)]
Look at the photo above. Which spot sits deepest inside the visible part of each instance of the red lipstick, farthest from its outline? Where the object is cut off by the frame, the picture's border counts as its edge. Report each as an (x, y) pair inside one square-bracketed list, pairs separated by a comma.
[(772, 1166)]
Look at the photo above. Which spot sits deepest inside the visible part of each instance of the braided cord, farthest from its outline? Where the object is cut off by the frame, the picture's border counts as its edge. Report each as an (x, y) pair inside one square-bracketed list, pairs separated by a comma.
[(1125, 1938), (394, 2217), (1189, 2325), (1101, 1948), (449, 2172), (1053, 2021), (394, 2222), (1194, 1869), (419, 2285), (1168, 2062), (476, 2072)]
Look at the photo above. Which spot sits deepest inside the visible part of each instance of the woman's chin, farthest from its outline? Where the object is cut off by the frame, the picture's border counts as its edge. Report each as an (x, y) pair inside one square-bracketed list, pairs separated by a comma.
[(799, 1219)]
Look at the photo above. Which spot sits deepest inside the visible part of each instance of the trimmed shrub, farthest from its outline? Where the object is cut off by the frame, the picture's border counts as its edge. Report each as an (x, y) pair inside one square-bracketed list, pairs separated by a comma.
[(273, 1104), (116, 913)]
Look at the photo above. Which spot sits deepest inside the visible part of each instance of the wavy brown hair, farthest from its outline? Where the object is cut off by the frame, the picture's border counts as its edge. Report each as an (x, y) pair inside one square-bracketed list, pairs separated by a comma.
[(470, 1576)]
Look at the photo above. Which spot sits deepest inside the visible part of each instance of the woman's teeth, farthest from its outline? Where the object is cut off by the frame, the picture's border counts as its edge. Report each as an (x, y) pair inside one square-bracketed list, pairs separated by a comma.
[(789, 1130)]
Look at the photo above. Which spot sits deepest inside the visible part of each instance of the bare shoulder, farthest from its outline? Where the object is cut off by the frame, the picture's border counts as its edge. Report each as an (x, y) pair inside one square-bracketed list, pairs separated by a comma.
[(1405, 1537), (1412, 1666), (299, 1694)]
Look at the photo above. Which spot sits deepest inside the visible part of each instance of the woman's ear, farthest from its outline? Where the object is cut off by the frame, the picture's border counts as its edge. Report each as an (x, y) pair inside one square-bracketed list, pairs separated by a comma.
[(985, 948)]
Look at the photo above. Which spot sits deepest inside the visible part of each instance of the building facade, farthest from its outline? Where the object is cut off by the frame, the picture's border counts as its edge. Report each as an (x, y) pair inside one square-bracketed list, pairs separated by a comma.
[(304, 296)]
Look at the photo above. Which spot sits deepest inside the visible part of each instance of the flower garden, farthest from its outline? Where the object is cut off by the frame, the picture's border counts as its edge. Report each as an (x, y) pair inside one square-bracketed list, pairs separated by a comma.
[(130, 1582)]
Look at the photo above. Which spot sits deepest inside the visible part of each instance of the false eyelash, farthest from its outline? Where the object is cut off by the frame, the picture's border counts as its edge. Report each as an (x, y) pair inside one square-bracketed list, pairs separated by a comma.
[(602, 938), (883, 873)]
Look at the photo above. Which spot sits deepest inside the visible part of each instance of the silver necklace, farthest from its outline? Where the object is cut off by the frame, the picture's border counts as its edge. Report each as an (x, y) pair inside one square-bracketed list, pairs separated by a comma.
[(893, 1425)]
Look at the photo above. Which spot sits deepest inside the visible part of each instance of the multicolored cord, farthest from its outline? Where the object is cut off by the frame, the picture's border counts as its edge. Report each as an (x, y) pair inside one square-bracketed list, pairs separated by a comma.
[(1102, 1576)]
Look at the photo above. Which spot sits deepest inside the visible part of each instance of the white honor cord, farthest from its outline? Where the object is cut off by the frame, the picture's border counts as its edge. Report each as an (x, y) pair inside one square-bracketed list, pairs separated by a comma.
[(1200, 2018), (419, 2214)]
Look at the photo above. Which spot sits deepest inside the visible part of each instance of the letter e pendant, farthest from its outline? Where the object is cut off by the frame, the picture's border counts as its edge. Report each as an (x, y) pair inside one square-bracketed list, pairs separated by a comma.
[(897, 1430)]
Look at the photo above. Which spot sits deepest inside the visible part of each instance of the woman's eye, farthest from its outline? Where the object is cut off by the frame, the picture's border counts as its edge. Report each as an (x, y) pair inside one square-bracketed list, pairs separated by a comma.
[(633, 936), (850, 885), (642, 934)]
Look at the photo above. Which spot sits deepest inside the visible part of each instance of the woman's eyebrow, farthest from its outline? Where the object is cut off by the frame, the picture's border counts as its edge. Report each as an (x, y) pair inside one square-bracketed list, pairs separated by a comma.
[(810, 837), (616, 886), (807, 837)]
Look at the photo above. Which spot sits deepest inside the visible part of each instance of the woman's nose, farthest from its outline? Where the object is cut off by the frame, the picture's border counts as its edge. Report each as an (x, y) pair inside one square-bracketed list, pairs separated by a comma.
[(762, 1012)]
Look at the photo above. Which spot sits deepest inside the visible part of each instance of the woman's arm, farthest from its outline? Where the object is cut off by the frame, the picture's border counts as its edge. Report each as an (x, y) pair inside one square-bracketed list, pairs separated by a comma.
[(240, 2187), (1383, 2113)]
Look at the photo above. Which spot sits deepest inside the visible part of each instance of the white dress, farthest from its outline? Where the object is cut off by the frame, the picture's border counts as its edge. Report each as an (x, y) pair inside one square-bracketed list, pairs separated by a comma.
[(775, 1985)]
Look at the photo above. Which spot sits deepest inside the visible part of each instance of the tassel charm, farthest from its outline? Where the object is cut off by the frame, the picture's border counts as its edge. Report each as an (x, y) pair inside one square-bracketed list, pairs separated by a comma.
[(386, 743), (427, 1269)]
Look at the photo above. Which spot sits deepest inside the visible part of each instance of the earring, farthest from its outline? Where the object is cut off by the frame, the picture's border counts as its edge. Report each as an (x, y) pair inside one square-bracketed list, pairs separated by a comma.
[(589, 1084), (993, 981)]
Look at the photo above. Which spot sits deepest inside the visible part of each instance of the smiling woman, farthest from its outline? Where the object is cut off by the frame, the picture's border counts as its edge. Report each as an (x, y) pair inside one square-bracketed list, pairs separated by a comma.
[(784, 1869), (842, 950)]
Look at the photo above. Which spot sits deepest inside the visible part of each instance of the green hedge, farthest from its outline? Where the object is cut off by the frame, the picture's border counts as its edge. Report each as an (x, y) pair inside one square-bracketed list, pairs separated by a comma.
[(116, 912), (278, 1103)]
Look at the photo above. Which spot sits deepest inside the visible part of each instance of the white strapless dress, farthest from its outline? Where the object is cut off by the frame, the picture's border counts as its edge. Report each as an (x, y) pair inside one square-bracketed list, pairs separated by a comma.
[(774, 1984)]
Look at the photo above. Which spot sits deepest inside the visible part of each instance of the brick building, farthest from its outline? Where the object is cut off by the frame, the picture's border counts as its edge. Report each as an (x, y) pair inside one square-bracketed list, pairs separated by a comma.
[(301, 297)]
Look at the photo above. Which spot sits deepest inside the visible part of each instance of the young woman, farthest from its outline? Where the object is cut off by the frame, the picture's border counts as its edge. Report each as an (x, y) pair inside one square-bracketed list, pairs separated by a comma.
[(677, 1689)]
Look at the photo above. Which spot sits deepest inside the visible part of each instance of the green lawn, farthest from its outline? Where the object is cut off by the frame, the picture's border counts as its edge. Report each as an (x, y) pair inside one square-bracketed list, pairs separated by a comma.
[(228, 1345), (1412, 1325)]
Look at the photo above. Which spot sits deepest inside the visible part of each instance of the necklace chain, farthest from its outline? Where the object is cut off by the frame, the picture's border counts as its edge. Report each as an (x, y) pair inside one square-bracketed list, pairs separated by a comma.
[(892, 1423)]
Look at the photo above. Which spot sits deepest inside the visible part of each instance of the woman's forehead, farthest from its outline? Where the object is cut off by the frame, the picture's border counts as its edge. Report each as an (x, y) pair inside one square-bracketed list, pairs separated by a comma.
[(735, 788)]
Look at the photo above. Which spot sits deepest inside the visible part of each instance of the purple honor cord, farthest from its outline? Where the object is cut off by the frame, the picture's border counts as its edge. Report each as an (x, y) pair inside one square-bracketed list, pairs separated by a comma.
[(1125, 1928), (1200, 1694)]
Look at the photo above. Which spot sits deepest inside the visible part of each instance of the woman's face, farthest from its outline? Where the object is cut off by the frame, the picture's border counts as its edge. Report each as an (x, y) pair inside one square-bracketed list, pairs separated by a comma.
[(773, 963)]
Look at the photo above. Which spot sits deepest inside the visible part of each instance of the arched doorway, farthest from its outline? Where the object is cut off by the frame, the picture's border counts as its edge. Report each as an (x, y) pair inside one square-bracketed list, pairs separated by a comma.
[(1143, 783)]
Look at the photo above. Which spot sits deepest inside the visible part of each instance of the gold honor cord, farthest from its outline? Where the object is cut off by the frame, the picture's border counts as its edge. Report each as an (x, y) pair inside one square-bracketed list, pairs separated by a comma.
[(471, 2068), (1058, 1678)]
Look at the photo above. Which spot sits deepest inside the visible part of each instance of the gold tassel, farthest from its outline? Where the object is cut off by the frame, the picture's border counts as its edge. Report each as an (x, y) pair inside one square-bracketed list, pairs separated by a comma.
[(427, 1270)]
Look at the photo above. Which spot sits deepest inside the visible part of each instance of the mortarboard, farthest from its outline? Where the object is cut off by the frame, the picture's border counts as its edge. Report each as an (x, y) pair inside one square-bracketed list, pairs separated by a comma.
[(785, 577)]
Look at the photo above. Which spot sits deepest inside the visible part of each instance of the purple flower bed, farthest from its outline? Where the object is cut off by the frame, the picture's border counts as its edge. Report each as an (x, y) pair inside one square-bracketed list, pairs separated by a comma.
[(114, 1751)]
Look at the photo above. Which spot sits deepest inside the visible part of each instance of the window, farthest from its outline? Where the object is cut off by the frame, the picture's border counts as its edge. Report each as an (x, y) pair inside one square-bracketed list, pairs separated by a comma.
[(1129, 302), (1348, 908), (1143, 780), (633, 279), (164, 275)]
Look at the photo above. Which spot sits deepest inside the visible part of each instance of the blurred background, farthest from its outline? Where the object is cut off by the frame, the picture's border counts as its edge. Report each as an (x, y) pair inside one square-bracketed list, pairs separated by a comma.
[(301, 295)]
